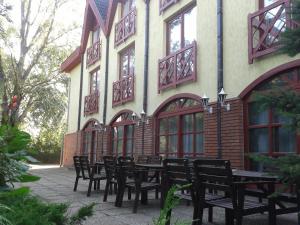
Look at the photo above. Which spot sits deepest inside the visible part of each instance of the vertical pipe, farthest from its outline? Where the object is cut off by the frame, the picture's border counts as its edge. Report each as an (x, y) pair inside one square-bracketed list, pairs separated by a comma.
[(106, 80), (80, 92), (220, 73), (146, 70)]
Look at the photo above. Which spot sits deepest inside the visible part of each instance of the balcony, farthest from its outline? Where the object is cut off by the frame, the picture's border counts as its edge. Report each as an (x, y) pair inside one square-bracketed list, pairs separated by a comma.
[(123, 90), (265, 27), (91, 104), (164, 4), (178, 67), (93, 53), (125, 28)]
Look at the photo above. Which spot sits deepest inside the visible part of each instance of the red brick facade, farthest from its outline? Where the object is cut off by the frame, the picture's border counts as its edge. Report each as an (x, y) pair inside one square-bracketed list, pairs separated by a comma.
[(72, 143)]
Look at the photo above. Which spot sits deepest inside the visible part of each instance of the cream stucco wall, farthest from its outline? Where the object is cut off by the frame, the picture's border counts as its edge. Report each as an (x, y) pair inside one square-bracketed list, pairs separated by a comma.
[(238, 74), (74, 99)]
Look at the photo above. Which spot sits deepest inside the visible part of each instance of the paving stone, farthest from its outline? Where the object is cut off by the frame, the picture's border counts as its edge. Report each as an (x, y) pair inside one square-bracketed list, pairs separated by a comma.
[(56, 185)]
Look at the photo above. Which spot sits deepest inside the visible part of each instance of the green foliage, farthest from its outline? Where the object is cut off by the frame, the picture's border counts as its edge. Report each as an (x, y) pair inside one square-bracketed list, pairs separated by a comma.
[(29, 210), (290, 39), (171, 202), (287, 168), (3, 220), (47, 146), (82, 214), (285, 102), (28, 178), (13, 140)]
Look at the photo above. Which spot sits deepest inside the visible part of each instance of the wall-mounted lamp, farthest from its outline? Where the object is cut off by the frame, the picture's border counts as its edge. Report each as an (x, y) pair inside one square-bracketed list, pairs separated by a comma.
[(143, 119), (222, 97), (100, 126), (205, 101)]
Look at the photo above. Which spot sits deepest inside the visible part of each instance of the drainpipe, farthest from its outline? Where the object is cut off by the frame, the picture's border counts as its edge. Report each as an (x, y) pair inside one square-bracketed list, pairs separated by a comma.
[(80, 93), (146, 70), (106, 81), (80, 101), (220, 73)]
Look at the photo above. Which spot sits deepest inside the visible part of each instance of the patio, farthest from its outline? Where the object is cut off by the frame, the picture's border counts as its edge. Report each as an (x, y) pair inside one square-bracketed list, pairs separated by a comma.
[(56, 185)]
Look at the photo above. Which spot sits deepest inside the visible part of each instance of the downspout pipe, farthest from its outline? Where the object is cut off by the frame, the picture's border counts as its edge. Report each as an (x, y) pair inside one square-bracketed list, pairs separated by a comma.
[(220, 74), (80, 93), (146, 69), (106, 80)]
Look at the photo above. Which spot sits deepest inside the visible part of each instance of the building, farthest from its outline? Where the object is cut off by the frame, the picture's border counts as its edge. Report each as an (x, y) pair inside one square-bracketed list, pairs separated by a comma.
[(138, 79)]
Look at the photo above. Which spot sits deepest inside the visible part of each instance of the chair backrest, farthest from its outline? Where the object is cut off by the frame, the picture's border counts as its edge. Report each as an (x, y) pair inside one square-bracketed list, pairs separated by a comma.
[(110, 164), (154, 159), (215, 175), (125, 170), (176, 171), (125, 159), (143, 159), (85, 167), (77, 165)]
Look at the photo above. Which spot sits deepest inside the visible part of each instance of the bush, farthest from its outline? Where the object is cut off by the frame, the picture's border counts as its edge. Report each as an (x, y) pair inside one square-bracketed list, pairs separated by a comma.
[(30, 210)]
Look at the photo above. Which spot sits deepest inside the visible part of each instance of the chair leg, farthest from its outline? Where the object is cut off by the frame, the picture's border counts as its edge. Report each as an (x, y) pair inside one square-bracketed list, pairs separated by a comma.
[(229, 217), (239, 219), (156, 193), (119, 198), (210, 214), (98, 185), (110, 188), (115, 188), (136, 200), (106, 190), (129, 193), (95, 185), (89, 189), (76, 183)]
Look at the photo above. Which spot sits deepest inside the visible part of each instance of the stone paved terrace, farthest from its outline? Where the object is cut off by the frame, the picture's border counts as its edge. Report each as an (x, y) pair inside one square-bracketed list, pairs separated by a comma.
[(56, 185)]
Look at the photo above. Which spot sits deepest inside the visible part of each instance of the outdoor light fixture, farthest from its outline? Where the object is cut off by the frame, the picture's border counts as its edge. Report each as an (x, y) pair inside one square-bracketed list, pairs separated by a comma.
[(222, 98), (100, 126), (143, 119), (205, 101)]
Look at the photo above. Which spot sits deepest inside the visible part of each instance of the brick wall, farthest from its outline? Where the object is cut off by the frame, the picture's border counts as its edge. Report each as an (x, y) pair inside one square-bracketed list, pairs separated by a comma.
[(232, 133), (71, 147)]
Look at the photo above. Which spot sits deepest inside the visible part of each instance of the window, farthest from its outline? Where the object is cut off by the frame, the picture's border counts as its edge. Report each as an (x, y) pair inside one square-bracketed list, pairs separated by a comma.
[(94, 81), (180, 132), (128, 5), (127, 61), (181, 30), (265, 3), (122, 136), (95, 35), (90, 142), (268, 133)]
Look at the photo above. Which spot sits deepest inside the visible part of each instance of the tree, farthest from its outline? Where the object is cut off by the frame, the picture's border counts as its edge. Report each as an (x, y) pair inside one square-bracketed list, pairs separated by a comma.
[(31, 65), (290, 39)]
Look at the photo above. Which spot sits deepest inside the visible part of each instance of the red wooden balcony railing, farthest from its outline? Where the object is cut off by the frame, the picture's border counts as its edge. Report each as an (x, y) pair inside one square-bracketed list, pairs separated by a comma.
[(125, 28), (265, 27), (178, 67), (93, 54), (123, 90), (91, 104), (164, 4)]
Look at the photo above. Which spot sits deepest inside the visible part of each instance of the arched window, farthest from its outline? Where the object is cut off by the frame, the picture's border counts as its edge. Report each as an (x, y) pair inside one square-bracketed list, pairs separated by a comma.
[(267, 132), (90, 141), (180, 131), (122, 135)]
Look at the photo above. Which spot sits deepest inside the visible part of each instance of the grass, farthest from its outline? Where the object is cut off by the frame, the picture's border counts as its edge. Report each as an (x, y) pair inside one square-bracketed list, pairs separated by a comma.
[(26, 209), (28, 178)]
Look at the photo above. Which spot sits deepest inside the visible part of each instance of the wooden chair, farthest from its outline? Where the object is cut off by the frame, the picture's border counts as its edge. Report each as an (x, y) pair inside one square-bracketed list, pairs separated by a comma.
[(133, 179), (110, 164), (77, 170), (177, 172), (89, 172), (217, 176)]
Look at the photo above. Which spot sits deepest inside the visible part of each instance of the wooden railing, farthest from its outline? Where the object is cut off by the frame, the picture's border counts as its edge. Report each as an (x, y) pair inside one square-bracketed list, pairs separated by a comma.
[(265, 27), (91, 103), (164, 4), (125, 28), (93, 54), (123, 90), (178, 67)]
